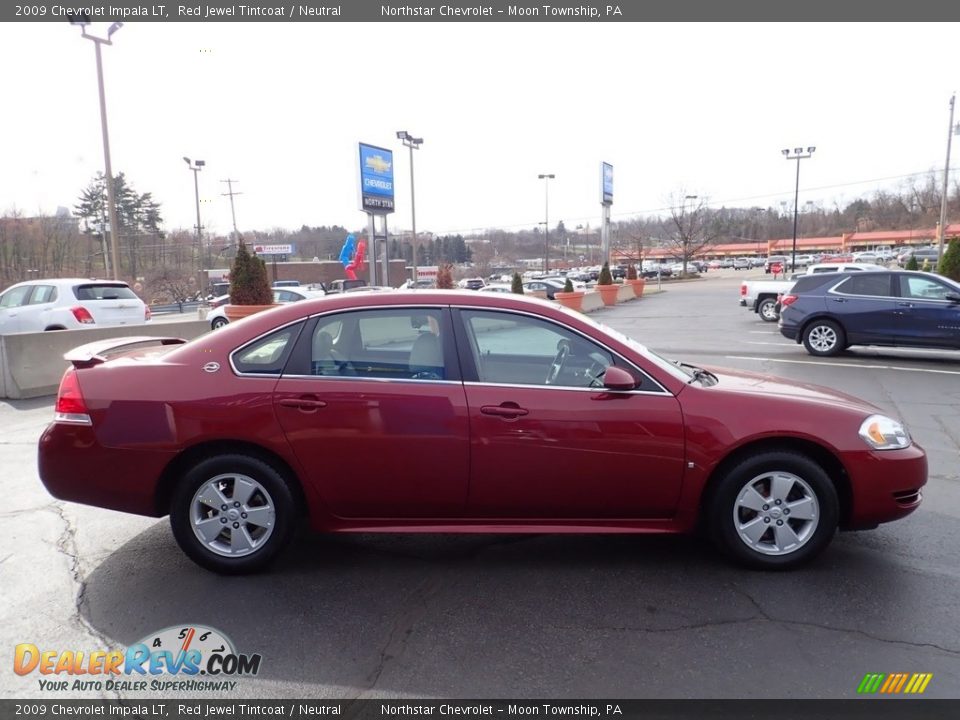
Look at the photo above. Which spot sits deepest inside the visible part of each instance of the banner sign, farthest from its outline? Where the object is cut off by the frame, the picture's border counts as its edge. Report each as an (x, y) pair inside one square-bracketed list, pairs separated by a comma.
[(606, 183), (376, 179), (273, 249)]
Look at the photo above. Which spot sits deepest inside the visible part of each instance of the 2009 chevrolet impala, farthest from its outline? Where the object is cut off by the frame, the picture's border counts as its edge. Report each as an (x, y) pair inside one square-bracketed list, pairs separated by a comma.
[(462, 412)]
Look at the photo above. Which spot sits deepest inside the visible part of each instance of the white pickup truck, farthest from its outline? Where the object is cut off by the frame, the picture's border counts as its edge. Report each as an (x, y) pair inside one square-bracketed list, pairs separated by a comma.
[(761, 295)]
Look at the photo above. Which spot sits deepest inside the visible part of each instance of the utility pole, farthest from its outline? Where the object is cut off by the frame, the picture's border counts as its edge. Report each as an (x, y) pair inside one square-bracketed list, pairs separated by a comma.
[(946, 172), (233, 212)]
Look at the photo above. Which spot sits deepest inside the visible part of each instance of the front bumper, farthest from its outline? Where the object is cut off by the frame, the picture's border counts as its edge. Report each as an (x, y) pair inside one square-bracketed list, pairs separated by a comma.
[(885, 485)]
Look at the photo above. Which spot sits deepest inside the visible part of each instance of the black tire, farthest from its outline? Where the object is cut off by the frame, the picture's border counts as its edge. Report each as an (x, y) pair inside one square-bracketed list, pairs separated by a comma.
[(767, 310), (724, 512), (824, 338), (272, 536), (218, 322)]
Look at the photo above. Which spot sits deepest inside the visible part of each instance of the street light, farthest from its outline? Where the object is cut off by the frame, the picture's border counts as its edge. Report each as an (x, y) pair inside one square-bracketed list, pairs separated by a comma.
[(797, 154), (546, 229), (414, 144), (942, 228), (195, 166), (83, 21)]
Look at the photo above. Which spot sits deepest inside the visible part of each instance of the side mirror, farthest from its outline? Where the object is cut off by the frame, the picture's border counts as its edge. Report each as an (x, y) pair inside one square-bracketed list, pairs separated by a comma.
[(616, 378), (952, 297)]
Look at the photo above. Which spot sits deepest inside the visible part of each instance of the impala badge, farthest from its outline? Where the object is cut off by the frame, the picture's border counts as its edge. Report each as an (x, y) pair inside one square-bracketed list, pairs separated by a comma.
[(211, 367)]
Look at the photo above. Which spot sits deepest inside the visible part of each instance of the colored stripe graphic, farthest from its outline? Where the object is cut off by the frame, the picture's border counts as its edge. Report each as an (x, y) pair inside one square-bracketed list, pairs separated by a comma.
[(894, 683)]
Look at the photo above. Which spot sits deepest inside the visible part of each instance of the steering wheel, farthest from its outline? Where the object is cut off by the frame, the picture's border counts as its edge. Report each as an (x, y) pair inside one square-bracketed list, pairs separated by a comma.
[(563, 352), (594, 373)]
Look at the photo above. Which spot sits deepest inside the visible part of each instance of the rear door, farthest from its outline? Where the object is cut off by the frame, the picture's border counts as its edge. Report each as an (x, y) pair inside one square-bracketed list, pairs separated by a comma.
[(38, 314), (110, 303), (374, 409), (866, 307)]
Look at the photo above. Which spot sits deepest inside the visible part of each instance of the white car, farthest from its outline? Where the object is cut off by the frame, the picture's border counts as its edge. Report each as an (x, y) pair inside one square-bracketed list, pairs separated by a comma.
[(69, 304), (218, 317), (497, 288)]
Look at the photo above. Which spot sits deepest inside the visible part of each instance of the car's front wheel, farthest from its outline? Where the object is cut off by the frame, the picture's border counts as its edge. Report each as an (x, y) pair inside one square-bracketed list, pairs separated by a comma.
[(774, 510), (767, 310), (232, 514), (824, 338), (218, 322)]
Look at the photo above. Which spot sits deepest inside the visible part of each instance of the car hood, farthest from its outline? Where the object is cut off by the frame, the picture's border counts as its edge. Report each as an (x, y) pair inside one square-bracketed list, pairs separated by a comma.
[(742, 382)]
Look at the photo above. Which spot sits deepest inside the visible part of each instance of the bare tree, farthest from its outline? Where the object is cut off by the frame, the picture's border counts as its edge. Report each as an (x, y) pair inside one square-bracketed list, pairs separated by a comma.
[(691, 227)]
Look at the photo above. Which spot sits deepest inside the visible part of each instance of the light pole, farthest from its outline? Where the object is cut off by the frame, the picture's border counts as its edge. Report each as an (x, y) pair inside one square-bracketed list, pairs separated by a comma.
[(546, 225), (195, 166), (946, 171), (112, 209), (796, 154), (413, 143)]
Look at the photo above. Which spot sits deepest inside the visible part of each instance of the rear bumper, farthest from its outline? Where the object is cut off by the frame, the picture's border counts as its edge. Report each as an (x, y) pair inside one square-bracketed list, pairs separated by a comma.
[(75, 467), (886, 485)]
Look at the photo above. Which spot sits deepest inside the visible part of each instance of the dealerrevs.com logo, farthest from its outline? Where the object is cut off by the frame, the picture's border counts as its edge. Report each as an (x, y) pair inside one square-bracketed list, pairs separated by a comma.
[(181, 657)]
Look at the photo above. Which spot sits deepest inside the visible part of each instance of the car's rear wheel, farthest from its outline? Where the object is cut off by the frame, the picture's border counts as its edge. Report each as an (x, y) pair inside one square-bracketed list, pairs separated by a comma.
[(824, 338), (232, 514), (767, 310), (218, 322), (775, 510)]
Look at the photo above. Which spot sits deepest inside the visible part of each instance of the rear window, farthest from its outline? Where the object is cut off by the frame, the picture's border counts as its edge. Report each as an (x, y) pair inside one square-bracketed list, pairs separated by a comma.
[(103, 291)]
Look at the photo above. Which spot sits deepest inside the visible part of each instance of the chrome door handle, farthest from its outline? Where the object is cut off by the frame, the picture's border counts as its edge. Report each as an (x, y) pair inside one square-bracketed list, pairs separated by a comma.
[(504, 411), (303, 403)]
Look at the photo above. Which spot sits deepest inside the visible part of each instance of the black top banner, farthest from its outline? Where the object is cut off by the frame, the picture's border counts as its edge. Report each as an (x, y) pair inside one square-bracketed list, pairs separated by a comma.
[(480, 11)]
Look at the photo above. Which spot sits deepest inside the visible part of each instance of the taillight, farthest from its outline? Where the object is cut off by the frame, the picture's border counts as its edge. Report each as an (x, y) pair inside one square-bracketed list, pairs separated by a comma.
[(71, 407), (146, 313), (788, 300), (82, 315), (743, 288)]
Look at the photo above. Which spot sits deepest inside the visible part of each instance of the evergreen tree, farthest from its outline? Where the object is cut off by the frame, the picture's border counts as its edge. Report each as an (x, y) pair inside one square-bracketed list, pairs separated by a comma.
[(517, 285), (950, 262)]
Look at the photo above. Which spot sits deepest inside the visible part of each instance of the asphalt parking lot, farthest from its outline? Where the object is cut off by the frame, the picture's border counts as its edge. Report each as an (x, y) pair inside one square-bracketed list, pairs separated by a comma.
[(529, 616)]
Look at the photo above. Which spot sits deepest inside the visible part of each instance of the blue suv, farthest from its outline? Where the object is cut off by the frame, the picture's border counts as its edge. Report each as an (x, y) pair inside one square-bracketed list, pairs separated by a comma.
[(831, 312)]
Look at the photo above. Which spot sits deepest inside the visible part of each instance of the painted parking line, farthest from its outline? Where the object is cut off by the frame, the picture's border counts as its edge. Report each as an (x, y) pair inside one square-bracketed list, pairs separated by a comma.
[(844, 365)]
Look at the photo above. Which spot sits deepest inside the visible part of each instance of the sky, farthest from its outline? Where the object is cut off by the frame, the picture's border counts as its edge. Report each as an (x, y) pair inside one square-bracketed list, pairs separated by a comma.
[(678, 109)]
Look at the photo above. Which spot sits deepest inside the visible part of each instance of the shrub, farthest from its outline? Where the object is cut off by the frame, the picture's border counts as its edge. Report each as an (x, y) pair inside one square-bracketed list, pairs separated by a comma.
[(568, 286), (249, 284), (631, 272), (950, 262), (926, 265), (517, 285), (912, 263), (605, 277), (445, 277)]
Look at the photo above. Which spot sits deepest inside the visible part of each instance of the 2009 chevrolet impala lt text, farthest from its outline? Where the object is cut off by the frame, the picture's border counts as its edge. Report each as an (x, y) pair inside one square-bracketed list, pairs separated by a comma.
[(462, 412)]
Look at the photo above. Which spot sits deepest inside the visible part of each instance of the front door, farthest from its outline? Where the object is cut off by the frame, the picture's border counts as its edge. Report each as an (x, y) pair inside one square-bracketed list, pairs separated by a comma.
[(548, 441), (926, 316)]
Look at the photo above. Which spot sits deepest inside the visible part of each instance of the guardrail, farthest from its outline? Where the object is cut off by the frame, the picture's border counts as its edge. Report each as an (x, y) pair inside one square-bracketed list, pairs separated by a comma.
[(31, 364)]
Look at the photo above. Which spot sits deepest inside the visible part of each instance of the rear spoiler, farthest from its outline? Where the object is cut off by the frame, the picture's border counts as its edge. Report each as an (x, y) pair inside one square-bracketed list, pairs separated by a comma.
[(96, 353)]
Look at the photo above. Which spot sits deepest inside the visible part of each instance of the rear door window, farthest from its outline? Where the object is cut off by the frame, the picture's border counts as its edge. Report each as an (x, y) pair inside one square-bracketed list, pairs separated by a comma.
[(871, 285), (43, 294)]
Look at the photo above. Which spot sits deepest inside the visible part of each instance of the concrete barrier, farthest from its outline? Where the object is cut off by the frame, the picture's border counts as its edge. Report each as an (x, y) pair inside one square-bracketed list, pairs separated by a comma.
[(31, 364)]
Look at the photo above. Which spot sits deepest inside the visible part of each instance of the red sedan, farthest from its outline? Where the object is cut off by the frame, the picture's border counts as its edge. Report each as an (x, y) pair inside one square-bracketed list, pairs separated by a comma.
[(462, 412)]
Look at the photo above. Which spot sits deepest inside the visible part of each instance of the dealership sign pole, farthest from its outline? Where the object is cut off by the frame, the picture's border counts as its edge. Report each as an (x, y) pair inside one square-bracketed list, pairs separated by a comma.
[(606, 200), (376, 198)]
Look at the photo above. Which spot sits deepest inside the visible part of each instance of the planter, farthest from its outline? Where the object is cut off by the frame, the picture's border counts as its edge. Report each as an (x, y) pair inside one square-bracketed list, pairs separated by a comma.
[(572, 300), (238, 312), (608, 293), (638, 285)]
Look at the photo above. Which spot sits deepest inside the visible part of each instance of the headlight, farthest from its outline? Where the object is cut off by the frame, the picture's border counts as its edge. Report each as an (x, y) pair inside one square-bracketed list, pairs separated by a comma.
[(883, 433)]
